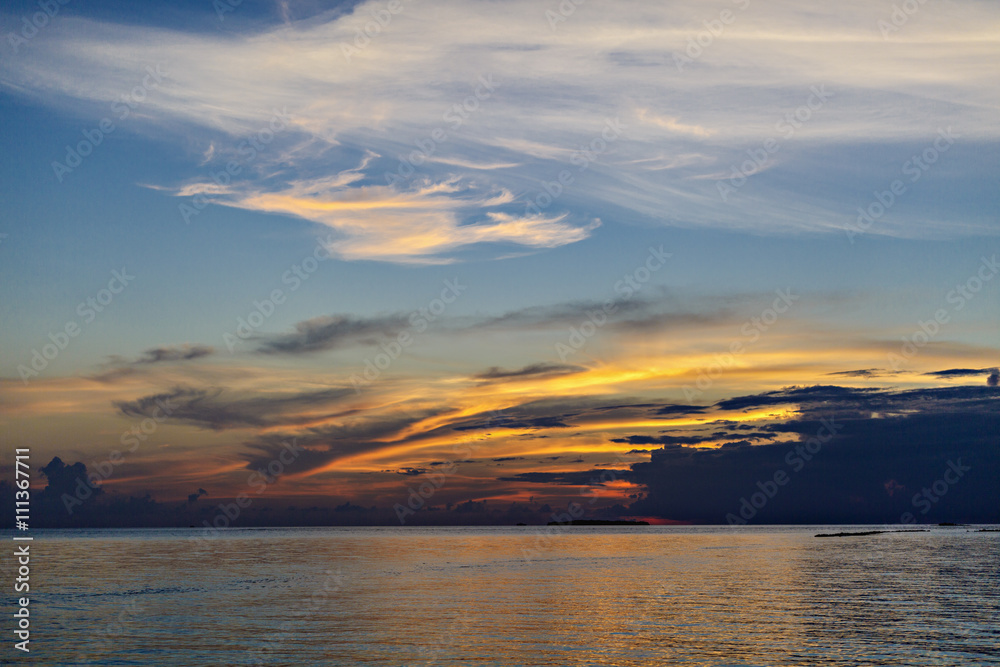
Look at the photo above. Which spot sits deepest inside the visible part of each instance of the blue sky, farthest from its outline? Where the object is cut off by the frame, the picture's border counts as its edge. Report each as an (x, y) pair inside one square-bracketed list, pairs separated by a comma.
[(429, 150)]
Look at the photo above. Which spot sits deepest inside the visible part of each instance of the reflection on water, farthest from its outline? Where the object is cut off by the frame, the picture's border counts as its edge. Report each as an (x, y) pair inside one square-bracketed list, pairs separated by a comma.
[(587, 596)]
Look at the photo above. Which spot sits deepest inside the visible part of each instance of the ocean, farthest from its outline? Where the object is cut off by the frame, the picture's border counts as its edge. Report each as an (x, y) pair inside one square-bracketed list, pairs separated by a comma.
[(560, 595)]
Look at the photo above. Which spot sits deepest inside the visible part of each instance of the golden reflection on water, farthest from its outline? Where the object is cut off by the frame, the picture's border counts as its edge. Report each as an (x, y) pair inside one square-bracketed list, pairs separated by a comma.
[(584, 596)]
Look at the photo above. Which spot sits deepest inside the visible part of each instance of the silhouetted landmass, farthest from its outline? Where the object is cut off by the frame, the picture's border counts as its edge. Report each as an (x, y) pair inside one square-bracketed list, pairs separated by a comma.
[(597, 522), (869, 532)]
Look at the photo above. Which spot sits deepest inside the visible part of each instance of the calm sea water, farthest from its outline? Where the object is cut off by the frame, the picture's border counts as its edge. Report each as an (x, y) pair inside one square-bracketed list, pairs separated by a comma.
[(512, 596)]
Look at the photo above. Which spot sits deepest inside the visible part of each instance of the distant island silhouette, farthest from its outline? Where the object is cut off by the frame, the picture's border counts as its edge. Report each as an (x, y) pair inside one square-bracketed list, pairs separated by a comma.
[(869, 532), (597, 522)]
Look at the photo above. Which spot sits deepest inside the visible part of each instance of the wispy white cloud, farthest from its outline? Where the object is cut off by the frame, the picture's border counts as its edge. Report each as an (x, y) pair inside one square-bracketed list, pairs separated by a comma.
[(672, 124), (468, 164), (407, 102), (417, 224)]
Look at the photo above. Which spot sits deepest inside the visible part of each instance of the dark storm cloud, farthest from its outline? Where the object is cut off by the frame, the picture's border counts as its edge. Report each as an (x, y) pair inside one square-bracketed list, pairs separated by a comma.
[(513, 423), (518, 417), (818, 393), (654, 312), (659, 310), (625, 406), (690, 439), (664, 440), (67, 479), (120, 367), (862, 402), (218, 410), (881, 434), (333, 331), (532, 370), (566, 411), (927, 433), (73, 497), (681, 410), (843, 482), (318, 446), (864, 373), (273, 456), (573, 478), (157, 355), (961, 372), (573, 312), (889, 446)]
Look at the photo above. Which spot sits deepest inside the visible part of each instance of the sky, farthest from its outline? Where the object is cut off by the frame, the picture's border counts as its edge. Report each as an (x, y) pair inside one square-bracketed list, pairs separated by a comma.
[(466, 261)]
